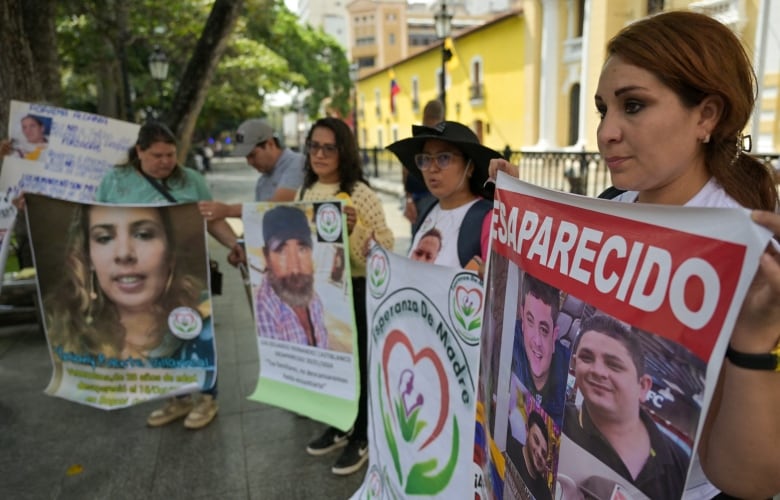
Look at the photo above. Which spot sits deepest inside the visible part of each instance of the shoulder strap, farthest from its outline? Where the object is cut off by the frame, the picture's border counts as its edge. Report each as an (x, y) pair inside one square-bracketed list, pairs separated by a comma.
[(161, 189), (611, 192), (470, 234)]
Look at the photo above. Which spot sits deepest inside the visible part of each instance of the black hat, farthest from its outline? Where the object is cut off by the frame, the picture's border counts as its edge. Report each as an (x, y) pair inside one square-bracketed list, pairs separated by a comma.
[(453, 132), (284, 223)]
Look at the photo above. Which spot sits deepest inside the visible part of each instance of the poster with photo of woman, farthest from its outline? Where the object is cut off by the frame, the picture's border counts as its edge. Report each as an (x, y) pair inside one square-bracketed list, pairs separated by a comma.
[(127, 310)]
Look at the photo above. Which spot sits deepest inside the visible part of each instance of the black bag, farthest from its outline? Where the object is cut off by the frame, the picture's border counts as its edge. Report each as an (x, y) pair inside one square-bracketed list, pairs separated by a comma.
[(215, 277), (214, 272)]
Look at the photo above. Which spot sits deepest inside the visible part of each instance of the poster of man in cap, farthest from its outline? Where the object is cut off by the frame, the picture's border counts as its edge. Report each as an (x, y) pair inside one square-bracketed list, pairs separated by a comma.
[(303, 313)]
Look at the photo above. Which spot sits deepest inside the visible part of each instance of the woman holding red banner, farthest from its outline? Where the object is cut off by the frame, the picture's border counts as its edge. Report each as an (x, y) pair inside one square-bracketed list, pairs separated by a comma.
[(672, 115)]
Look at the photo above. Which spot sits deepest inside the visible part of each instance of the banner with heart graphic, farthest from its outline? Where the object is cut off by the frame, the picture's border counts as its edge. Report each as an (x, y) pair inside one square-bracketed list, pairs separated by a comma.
[(424, 324), (301, 285), (601, 317)]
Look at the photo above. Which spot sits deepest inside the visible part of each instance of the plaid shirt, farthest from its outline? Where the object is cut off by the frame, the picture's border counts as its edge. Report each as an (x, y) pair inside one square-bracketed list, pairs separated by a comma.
[(277, 320)]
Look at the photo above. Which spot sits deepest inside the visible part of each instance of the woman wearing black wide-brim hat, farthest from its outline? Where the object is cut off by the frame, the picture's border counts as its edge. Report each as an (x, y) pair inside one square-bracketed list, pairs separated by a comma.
[(454, 166)]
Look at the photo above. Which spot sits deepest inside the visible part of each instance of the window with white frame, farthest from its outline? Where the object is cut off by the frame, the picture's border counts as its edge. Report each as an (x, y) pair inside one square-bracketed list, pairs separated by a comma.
[(476, 88)]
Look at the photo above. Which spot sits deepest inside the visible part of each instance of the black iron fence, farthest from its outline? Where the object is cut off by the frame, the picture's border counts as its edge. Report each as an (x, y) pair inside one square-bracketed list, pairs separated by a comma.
[(581, 172)]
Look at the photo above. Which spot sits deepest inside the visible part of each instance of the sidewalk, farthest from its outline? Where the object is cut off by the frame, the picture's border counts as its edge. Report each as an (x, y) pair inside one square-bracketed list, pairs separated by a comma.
[(55, 449)]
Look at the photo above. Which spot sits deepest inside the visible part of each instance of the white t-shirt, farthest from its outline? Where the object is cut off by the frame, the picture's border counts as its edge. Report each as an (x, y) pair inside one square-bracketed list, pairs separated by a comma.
[(447, 223), (711, 195)]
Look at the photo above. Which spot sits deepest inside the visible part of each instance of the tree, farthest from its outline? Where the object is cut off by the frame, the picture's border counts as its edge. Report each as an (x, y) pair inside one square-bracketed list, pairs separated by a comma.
[(20, 77), (200, 70), (318, 58), (246, 49)]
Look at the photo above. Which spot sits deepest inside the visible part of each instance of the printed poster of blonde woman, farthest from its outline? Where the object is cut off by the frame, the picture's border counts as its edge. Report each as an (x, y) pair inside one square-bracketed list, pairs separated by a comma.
[(127, 310)]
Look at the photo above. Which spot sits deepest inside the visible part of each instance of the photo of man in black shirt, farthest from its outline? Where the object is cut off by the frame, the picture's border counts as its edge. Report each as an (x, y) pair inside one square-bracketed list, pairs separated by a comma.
[(610, 424), (532, 459)]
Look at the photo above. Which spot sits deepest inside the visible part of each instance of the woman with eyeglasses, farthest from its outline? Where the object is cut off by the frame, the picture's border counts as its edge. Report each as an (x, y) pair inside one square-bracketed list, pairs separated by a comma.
[(332, 170), (454, 166)]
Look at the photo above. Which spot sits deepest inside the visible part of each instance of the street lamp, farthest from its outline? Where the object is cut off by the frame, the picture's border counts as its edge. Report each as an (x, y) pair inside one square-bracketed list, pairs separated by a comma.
[(443, 24), (158, 67), (354, 74)]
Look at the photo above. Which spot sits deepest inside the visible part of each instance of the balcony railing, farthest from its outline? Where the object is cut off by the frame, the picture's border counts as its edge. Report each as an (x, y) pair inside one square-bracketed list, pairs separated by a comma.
[(580, 172), (477, 92)]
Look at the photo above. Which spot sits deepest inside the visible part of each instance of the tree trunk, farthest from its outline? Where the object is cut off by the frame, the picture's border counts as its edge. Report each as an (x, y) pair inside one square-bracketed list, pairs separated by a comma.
[(40, 26), (197, 76), (18, 79)]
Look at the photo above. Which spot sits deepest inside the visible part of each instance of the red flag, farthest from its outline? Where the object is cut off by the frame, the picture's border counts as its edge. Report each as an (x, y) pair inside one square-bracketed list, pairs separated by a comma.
[(394, 90)]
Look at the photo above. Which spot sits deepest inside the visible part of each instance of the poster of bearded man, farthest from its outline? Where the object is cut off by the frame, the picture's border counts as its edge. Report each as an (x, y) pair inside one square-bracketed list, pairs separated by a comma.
[(302, 303)]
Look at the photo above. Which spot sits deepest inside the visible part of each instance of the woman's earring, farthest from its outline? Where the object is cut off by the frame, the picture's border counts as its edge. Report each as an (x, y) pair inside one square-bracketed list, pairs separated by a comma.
[(169, 282), (93, 286), (706, 139)]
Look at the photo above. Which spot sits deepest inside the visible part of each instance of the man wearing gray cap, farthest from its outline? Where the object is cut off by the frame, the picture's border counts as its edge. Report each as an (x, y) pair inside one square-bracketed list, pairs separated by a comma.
[(287, 307), (281, 169)]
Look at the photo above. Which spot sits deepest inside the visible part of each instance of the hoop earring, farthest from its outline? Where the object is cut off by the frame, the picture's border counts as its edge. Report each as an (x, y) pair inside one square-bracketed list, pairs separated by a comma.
[(92, 285)]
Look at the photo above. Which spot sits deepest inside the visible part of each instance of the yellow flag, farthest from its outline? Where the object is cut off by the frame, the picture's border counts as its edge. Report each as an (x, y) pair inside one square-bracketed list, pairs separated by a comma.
[(454, 62)]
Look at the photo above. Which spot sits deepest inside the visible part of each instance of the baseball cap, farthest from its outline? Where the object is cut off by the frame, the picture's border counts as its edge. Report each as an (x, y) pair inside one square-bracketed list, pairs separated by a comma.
[(249, 134), (284, 223)]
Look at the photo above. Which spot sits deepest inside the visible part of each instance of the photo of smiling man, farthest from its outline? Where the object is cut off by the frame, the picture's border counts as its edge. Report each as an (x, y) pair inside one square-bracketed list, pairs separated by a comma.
[(539, 361), (611, 423)]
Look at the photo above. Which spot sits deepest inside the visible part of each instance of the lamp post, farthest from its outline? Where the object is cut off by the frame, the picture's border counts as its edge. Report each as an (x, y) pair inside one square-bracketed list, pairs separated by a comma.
[(158, 67), (443, 24), (354, 74)]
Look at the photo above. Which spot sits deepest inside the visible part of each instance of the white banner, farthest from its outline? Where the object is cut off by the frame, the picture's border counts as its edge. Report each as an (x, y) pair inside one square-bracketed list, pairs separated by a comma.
[(424, 333)]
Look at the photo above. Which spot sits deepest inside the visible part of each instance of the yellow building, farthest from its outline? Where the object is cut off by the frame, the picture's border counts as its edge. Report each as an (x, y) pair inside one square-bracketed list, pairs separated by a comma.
[(485, 53), (527, 78)]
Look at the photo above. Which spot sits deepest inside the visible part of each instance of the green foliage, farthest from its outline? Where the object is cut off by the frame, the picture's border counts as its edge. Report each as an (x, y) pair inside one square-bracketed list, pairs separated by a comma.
[(268, 51)]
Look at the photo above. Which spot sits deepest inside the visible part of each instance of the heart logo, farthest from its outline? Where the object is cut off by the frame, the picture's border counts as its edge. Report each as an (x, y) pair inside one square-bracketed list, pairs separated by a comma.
[(378, 272), (396, 338), (329, 222), (466, 301), (469, 301)]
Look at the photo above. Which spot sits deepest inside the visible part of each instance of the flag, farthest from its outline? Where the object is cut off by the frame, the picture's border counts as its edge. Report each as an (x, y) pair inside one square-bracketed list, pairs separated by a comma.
[(394, 90)]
